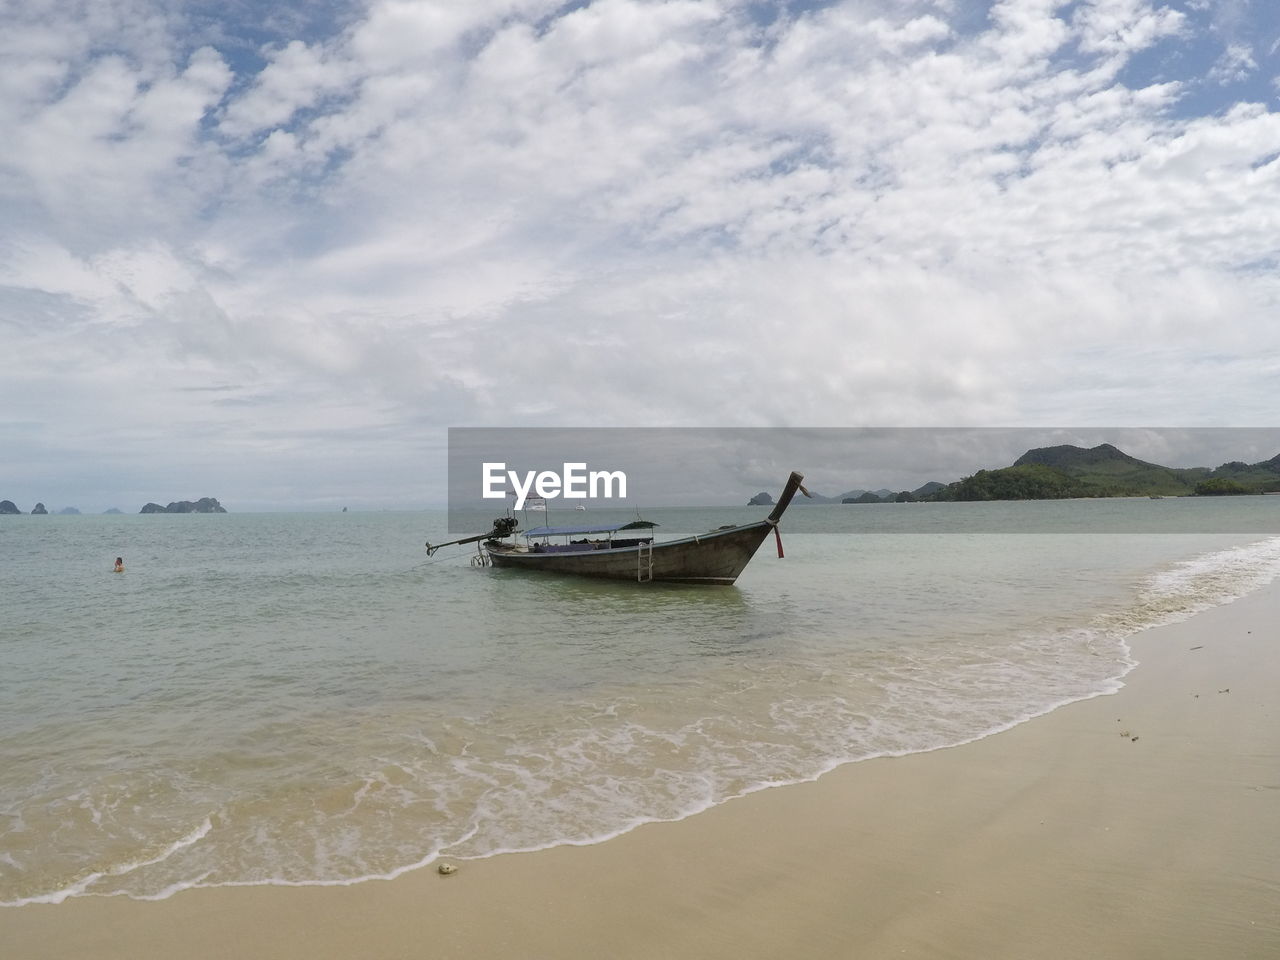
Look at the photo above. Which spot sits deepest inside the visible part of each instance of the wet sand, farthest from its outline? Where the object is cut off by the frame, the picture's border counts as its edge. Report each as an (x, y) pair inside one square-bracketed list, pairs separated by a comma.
[(1140, 825)]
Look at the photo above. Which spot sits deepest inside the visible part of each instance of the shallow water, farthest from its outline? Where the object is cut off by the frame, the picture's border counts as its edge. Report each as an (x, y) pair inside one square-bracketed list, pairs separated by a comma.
[(304, 698)]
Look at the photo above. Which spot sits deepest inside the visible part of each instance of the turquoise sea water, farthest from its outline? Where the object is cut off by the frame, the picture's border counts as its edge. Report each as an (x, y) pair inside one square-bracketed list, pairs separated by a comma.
[(305, 698)]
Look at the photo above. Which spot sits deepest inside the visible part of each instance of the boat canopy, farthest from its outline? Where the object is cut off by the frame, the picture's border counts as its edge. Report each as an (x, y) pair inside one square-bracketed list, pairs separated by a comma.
[(590, 528)]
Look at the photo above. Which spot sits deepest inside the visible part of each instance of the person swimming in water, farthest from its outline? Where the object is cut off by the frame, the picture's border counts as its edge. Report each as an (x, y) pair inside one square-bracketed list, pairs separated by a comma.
[(119, 564)]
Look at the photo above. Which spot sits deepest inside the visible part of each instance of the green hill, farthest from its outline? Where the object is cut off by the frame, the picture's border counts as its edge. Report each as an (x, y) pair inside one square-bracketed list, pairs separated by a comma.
[(1253, 477), (1060, 472), (1069, 458), (1022, 481), (1106, 471), (1054, 473), (928, 490)]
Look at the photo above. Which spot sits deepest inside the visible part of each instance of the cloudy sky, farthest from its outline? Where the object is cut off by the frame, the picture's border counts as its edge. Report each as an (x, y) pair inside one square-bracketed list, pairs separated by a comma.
[(269, 252)]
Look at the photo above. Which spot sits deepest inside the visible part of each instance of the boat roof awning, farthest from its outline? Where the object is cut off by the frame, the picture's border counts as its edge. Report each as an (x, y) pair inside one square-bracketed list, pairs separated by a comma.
[(590, 528)]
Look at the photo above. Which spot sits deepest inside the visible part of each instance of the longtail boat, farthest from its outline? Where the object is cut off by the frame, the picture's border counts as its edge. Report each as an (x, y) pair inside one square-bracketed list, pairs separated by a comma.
[(715, 558)]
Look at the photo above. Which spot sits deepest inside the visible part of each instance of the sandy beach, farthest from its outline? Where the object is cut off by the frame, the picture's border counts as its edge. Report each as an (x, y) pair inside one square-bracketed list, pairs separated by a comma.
[(1144, 824)]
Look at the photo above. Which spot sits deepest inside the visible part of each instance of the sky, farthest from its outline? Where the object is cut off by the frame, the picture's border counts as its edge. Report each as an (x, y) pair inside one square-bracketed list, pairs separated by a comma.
[(271, 252)]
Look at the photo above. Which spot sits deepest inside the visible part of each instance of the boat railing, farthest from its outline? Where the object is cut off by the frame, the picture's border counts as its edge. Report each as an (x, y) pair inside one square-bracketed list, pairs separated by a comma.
[(582, 546)]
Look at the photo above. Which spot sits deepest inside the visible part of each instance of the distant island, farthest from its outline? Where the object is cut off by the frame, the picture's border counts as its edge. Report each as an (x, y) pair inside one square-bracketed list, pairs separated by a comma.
[(203, 505), (1067, 471), (761, 499), (880, 496)]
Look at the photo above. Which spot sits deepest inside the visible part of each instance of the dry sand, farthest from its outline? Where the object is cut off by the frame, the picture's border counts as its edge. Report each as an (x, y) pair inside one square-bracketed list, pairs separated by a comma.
[(1145, 824)]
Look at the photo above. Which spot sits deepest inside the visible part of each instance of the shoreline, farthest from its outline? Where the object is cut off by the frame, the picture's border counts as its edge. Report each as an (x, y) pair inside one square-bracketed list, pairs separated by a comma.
[(1058, 837)]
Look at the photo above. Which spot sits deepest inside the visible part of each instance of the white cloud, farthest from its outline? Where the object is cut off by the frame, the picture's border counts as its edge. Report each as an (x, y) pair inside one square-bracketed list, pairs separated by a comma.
[(118, 150), (297, 76), (1235, 64), (1124, 26)]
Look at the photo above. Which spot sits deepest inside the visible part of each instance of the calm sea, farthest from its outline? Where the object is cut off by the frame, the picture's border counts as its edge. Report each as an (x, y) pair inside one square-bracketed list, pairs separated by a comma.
[(304, 698)]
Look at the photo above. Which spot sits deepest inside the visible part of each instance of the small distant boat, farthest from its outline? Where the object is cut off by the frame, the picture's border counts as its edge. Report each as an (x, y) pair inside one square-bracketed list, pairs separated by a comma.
[(715, 558)]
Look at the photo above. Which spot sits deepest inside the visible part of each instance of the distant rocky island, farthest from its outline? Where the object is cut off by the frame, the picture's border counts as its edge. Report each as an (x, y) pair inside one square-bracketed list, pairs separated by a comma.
[(1067, 471), (203, 505), (867, 496), (761, 499)]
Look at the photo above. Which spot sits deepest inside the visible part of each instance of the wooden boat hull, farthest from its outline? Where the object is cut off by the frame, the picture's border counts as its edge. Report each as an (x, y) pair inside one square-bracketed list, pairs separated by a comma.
[(715, 558)]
